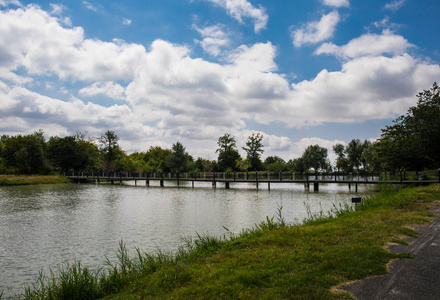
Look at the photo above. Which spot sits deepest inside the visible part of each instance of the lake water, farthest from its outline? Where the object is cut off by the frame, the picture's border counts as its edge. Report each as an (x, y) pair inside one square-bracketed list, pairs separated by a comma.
[(47, 225)]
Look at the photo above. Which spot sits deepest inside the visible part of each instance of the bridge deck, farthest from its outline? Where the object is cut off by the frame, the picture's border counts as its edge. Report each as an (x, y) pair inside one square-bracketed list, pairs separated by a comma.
[(307, 180)]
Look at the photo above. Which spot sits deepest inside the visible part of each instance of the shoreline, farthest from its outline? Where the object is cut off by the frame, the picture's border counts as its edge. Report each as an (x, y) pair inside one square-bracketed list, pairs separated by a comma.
[(271, 260), (14, 180)]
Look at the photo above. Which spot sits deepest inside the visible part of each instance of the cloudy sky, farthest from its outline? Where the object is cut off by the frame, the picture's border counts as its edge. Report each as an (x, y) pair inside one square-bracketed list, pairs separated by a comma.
[(301, 72)]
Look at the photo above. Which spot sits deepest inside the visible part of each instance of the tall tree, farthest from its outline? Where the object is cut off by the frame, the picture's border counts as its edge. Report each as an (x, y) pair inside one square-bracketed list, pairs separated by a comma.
[(254, 149), (354, 152), (341, 161), (227, 152), (178, 159), (25, 153), (275, 164), (155, 159), (315, 157), (109, 144), (412, 142)]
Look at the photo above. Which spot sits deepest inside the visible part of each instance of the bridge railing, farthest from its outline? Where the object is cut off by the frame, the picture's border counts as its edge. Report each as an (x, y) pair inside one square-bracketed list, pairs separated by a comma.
[(265, 176)]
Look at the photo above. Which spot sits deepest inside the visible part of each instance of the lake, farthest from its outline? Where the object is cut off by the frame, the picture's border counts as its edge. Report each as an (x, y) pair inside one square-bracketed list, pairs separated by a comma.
[(47, 225)]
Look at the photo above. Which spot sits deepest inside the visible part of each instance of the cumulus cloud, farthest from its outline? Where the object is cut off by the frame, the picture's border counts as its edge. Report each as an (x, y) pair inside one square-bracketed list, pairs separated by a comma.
[(214, 39), (316, 31), (368, 44), (172, 96), (240, 9), (336, 3), (300, 146), (35, 40), (110, 89)]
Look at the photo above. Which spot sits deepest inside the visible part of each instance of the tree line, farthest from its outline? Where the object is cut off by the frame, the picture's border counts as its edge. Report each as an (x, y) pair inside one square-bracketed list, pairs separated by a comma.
[(411, 143)]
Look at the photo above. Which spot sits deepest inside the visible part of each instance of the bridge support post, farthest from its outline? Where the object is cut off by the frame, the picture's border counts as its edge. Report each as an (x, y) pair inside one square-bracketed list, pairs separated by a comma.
[(147, 182), (306, 186), (227, 185), (356, 188), (161, 183), (193, 183), (316, 187), (214, 186), (113, 182), (349, 187), (268, 186)]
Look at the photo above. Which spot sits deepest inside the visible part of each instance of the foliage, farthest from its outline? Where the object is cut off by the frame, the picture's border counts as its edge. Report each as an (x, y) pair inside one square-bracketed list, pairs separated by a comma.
[(227, 153), (155, 159), (272, 260), (109, 146), (71, 153), (412, 143), (178, 159), (254, 149), (315, 157), (275, 164), (25, 154)]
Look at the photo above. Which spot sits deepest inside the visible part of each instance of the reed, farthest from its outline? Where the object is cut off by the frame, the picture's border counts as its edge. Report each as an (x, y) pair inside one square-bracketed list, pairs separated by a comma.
[(272, 260)]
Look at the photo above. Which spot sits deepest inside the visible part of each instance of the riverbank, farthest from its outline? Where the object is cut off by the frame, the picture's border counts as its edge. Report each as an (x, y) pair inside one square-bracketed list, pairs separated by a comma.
[(273, 260), (7, 180)]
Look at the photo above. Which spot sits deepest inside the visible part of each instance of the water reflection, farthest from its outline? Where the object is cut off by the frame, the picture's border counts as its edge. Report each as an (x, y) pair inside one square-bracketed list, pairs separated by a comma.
[(44, 226)]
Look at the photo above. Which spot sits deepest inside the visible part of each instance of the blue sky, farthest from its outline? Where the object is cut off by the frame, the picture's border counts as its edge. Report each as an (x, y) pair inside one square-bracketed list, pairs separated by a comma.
[(156, 72)]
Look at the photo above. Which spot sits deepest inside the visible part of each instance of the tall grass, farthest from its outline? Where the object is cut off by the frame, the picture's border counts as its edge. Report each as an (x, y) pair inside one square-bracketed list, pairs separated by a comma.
[(306, 247), (74, 281)]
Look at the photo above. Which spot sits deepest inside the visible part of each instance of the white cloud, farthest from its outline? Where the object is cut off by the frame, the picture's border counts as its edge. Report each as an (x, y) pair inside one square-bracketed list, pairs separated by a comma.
[(240, 9), (89, 6), (110, 89), (35, 40), (10, 2), (336, 3), (316, 31), (368, 44), (300, 146), (214, 39), (190, 99), (395, 5), (126, 21)]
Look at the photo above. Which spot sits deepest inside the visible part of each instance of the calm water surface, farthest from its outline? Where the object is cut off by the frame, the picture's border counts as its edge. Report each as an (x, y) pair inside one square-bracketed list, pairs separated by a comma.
[(48, 225)]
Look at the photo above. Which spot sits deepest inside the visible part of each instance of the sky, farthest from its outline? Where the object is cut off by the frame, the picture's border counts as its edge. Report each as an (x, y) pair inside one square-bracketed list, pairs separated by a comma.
[(300, 72)]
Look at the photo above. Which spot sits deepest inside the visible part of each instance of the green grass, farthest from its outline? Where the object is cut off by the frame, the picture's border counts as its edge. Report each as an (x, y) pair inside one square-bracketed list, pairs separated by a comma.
[(272, 260), (31, 179)]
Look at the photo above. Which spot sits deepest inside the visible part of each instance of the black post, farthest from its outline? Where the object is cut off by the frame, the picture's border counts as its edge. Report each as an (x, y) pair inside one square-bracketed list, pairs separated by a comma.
[(401, 179)]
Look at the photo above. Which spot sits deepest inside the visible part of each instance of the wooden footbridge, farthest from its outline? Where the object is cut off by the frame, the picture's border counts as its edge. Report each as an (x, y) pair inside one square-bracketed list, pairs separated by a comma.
[(257, 178)]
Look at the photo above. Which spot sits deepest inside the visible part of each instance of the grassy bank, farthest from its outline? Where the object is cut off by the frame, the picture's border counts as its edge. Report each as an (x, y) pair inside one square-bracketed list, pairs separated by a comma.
[(273, 260), (31, 179)]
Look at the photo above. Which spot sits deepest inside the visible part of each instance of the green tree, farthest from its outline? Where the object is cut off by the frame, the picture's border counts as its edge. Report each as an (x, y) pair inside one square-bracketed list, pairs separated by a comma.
[(315, 157), (63, 153), (297, 165), (178, 159), (341, 161), (109, 145), (254, 149), (354, 151), (275, 164), (110, 149), (24, 154), (412, 141), (155, 159), (227, 153)]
